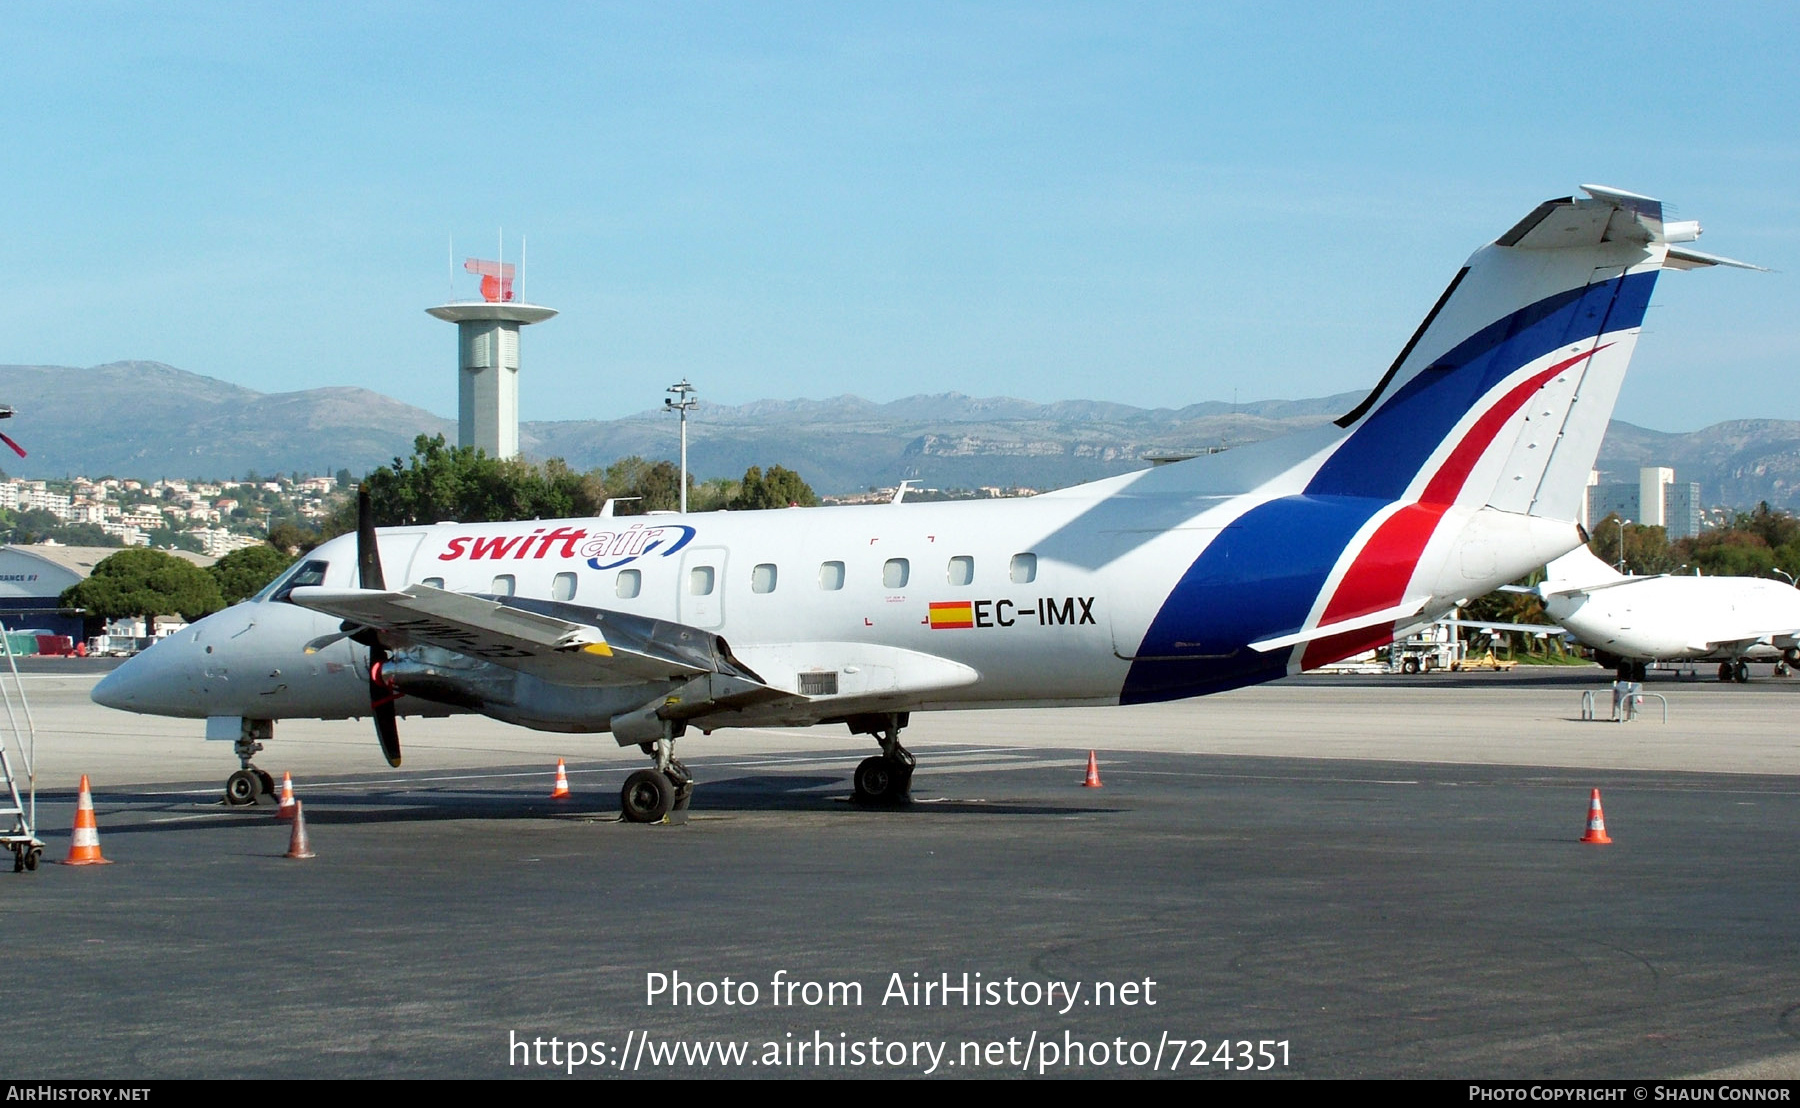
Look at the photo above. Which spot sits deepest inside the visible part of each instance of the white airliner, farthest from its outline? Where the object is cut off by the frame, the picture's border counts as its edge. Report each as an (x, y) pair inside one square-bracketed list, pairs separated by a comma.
[(1462, 470), (1630, 621)]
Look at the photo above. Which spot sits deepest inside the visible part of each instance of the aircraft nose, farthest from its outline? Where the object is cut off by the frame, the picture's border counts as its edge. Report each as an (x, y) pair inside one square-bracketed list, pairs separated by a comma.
[(150, 682)]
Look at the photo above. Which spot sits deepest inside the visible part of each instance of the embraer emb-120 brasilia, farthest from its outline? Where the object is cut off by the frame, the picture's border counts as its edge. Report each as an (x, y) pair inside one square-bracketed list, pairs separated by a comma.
[(1463, 469)]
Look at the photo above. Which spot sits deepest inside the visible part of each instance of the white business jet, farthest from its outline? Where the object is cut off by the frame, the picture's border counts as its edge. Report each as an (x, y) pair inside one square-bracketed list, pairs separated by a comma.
[(1631, 621), (1461, 470)]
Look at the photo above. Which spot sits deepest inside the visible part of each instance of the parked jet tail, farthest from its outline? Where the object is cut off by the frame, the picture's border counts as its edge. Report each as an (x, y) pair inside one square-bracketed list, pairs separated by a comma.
[(1470, 455)]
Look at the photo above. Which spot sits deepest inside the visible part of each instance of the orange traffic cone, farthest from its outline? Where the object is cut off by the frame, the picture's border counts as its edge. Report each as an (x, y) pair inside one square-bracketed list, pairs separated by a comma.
[(84, 848), (1596, 828), (288, 803), (1093, 775), (562, 782), (298, 846)]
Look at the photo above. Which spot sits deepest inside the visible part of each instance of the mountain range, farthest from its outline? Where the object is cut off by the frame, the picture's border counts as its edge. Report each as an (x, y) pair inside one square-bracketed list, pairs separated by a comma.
[(146, 419)]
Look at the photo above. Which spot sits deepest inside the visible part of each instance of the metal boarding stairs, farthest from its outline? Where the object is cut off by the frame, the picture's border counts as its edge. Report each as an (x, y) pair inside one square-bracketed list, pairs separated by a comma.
[(18, 814)]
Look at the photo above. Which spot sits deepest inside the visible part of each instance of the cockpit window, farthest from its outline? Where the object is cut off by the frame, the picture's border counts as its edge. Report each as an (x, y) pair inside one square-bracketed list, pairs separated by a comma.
[(304, 574)]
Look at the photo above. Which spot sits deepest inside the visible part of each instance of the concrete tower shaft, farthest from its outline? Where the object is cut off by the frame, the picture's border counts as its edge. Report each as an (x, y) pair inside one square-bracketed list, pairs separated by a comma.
[(488, 371)]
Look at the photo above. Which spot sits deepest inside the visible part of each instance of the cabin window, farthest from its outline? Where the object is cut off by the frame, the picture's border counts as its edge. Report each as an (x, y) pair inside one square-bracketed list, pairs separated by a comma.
[(831, 576), (434, 582), (762, 578), (562, 586), (895, 572), (631, 582), (504, 585), (962, 570), (1024, 569), (700, 581)]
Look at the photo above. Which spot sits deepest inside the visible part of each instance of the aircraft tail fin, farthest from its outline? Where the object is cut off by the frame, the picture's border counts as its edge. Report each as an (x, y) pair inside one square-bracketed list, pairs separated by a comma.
[(1504, 392)]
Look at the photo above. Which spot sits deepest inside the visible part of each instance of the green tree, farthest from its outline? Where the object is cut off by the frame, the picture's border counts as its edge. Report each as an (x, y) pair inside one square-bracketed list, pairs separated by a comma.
[(292, 537), (778, 488), (148, 583), (1757, 542), (167, 538), (1646, 551), (242, 573), (442, 482), (31, 525), (1730, 552)]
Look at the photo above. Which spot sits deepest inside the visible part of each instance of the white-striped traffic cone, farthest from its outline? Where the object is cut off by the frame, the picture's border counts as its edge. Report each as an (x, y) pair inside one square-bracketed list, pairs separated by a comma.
[(285, 812), (299, 846), (1596, 827), (84, 848)]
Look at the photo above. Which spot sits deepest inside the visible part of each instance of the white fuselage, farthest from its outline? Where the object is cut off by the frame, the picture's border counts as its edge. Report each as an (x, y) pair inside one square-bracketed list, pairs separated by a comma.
[(1684, 618)]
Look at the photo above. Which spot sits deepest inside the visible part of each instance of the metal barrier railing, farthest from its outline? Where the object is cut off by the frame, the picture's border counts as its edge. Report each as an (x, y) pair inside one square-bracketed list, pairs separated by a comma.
[(1628, 701)]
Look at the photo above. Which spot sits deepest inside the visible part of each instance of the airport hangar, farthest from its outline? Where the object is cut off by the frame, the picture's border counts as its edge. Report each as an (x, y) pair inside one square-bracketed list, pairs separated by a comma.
[(33, 579)]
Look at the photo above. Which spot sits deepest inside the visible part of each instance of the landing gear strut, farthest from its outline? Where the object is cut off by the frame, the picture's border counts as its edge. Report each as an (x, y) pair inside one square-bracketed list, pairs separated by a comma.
[(886, 779), (650, 795), (249, 785)]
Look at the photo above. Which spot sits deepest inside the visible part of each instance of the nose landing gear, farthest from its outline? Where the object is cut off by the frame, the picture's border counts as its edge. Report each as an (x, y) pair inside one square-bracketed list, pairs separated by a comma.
[(250, 785)]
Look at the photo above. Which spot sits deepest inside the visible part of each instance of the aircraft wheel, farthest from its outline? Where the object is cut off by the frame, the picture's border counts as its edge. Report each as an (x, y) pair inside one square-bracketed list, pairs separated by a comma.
[(1725, 673), (882, 781), (647, 797), (242, 788), (684, 784), (1741, 673), (267, 779)]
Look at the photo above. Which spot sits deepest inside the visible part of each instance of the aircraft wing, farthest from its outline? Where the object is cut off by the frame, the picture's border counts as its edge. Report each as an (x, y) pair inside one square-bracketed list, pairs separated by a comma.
[(1573, 590), (1531, 628), (1742, 639), (551, 640)]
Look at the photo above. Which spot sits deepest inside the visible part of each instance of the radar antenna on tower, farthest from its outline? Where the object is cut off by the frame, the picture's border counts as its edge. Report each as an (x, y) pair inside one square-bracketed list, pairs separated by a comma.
[(488, 354)]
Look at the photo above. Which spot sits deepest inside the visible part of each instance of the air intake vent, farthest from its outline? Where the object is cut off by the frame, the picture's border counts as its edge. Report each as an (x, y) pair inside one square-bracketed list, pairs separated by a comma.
[(818, 684)]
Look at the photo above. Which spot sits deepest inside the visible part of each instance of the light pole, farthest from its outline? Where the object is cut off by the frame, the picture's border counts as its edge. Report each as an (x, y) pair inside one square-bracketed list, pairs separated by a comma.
[(1616, 519), (683, 405)]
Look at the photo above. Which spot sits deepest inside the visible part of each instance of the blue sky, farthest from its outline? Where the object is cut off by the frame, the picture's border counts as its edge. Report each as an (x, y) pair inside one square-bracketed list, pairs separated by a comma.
[(1147, 203)]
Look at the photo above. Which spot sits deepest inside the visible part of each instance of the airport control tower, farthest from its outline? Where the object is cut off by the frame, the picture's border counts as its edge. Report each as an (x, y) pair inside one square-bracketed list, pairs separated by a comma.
[(487, 332)]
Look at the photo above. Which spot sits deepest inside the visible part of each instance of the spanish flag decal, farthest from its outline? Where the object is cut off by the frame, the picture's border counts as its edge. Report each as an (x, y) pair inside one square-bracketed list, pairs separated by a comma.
[(946, 614)]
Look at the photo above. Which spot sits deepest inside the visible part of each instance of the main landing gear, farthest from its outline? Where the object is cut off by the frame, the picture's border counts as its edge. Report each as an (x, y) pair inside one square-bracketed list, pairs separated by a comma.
[(886, 779), (1738, 671), (250, 785), (650, 795)]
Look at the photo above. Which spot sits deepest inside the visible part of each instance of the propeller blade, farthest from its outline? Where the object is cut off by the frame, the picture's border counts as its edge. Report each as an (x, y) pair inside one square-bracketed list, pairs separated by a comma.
[(368, 554), (382, 695), (17, 449)]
